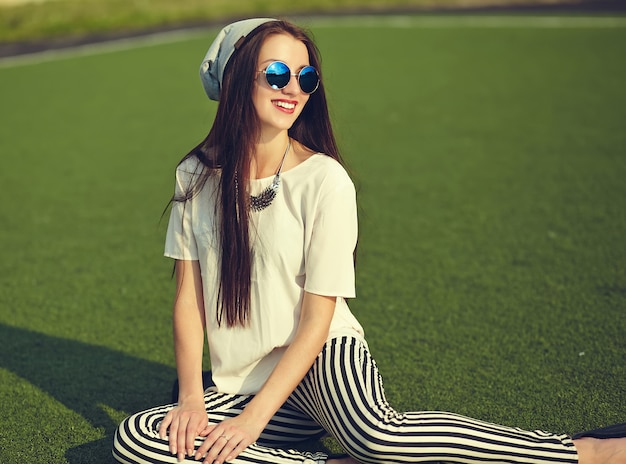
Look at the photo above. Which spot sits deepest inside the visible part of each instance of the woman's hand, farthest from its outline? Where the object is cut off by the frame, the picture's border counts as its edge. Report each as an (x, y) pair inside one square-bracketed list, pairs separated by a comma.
[(186, 421), (224, 441)]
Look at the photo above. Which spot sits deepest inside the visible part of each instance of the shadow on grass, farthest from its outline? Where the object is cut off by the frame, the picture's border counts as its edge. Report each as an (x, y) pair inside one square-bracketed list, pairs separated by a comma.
[(87, 377), (84, 378)]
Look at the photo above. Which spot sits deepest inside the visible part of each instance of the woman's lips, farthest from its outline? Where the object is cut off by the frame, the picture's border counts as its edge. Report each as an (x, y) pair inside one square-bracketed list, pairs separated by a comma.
[(286, 106)]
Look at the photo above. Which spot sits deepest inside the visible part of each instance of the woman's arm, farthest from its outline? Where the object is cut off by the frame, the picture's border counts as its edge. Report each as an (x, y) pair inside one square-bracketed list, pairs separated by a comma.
[(232, 436), (189, 418), (317, 313)]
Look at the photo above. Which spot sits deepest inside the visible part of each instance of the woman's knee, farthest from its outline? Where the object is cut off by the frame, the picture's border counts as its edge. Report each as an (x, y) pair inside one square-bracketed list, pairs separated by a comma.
[(121, 440), (134, 434)]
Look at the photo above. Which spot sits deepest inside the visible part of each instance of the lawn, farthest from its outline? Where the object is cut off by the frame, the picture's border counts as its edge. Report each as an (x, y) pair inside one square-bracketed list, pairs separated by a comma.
[(490, 158)]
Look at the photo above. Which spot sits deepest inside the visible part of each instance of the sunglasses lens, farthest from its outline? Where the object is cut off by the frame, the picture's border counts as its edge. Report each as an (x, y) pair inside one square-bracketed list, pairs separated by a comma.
[(277, 75), (308, 79)]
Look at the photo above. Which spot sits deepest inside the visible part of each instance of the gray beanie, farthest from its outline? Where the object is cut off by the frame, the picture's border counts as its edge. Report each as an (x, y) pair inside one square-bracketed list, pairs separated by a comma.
[(227, 41)]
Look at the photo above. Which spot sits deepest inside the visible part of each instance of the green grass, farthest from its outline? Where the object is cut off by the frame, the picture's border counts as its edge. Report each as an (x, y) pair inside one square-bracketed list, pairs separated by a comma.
[(491, 271), (63, 19)]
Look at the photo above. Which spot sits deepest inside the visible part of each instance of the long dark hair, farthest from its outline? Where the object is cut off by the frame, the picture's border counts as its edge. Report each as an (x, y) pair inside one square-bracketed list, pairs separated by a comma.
[(227, 149)]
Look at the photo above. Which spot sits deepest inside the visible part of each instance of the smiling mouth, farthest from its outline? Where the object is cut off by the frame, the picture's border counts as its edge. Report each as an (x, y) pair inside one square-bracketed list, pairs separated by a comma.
[(285, 105)]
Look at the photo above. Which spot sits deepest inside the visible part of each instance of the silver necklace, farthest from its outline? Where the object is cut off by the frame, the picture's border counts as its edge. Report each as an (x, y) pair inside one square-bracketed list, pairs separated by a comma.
[(264, 199)]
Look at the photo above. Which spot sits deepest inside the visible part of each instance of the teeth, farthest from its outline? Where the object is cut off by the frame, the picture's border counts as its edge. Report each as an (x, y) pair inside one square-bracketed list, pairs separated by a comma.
[(282, 104)]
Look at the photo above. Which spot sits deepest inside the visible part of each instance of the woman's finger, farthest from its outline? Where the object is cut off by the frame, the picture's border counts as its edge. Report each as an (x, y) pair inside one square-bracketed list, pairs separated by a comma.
[(165, 423), (180, 437), (236, 451), (228, 449), (172, 436), (196, 424), (203, 449), (213, 444), (206, 430), (218, 446)]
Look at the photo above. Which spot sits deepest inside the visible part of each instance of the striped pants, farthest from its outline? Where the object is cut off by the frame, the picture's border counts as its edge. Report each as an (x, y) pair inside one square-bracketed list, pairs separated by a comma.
[(342, 395)]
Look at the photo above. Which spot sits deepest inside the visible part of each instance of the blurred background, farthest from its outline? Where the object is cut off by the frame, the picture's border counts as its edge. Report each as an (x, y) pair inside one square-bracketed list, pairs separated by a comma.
[(48, 23)]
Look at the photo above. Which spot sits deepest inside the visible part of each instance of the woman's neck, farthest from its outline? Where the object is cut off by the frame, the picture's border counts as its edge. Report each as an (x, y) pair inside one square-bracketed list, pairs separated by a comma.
[(268, 155)]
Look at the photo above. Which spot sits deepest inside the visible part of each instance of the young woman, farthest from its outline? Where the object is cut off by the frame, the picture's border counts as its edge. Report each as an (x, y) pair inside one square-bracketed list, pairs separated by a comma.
[(263, 229)]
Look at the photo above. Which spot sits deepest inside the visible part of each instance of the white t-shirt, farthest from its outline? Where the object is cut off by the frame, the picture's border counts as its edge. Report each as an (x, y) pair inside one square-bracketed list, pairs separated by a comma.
[(303, 241)]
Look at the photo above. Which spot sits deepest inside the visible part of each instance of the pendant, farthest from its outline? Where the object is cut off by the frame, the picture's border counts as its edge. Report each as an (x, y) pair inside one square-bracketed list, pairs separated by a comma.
[(264, 199)]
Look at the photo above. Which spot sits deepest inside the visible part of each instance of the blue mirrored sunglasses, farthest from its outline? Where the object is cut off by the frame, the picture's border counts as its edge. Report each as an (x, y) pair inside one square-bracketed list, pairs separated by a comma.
[(278, 75)]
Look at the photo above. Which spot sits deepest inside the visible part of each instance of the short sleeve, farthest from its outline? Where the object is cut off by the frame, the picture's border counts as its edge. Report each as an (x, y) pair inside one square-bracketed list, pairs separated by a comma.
[(180, 242), (329, 259)]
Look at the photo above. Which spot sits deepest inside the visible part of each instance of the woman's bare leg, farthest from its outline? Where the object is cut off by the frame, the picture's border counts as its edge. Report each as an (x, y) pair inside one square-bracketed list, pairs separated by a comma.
[(601, 451)]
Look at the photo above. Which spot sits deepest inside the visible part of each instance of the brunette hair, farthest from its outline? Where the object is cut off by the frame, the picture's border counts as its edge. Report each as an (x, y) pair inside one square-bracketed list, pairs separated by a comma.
[(227, 149)]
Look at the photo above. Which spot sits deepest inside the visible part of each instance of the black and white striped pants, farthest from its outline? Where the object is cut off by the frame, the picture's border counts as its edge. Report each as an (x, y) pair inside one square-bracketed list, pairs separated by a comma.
[(342, 395)]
